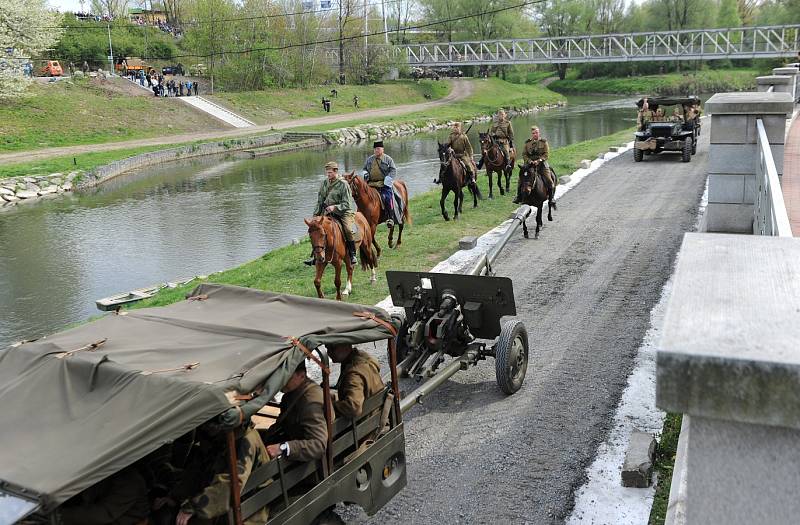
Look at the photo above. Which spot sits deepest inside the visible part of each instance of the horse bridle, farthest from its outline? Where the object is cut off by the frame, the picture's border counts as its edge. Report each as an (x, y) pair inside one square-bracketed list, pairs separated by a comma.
[(316, 248), (487, 150)]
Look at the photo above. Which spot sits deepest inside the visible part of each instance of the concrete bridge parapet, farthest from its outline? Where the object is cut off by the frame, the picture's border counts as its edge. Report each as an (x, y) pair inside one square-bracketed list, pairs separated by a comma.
[(734, 154), (775, 84), (793, 73)]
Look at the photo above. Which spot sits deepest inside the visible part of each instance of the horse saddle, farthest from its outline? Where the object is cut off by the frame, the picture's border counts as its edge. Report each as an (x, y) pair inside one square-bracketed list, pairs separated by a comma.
[(343, 227), (399, 206)]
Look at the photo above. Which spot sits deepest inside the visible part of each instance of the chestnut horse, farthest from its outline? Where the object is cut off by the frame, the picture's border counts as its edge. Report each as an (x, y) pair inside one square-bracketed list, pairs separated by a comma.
[(534, 193), (368, 201), (492, 155), (328, 244), (454, 177)]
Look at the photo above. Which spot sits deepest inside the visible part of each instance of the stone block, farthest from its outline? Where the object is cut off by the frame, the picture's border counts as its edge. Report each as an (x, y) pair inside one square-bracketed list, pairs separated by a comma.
[(730, 129), (749, 103), (730, 341), (6, 191), (729, 218), (601, 156), (726, 188), (8, 198), (637, 470), (750, 189), (615, 149), (732, 158), (467, 243), (27, 194), (586, 164), (564, 180)]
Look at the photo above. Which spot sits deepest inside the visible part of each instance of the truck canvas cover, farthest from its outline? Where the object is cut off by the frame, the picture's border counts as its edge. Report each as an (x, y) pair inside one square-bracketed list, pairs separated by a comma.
[(668, 101), (82, 404)]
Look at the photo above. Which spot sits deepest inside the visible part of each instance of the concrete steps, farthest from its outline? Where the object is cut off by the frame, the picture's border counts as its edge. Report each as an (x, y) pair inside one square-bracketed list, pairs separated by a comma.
[(217, 111)]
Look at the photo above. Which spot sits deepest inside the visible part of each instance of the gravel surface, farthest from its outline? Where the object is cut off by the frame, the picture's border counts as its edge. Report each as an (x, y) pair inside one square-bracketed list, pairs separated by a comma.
[(584, 291)]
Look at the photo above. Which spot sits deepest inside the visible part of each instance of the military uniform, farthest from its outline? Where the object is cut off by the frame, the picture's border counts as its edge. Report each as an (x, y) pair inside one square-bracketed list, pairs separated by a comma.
[(380, 174), (301, 423), (337, 193), (359, 380), (463, 150), (504, 133), (120, 499), (537, 150), (215, 500)]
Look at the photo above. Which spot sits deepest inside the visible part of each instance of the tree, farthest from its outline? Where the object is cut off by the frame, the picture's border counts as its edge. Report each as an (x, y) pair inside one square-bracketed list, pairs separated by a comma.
[(27, 29), (559, 18), (728, 14), (112, 8)]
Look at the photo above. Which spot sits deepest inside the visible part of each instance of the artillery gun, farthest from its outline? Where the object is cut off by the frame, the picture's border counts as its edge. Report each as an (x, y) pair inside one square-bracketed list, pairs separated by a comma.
[(463, 316)]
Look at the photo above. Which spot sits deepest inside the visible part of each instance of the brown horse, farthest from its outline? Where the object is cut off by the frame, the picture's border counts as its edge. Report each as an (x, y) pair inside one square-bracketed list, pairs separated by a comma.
[(492, 155), (328, 244), (368, 200), (534, 193), (454, 177)]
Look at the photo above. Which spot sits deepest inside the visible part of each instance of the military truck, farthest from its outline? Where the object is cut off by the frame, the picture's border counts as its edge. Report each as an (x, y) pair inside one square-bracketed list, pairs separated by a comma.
[(659, 131)]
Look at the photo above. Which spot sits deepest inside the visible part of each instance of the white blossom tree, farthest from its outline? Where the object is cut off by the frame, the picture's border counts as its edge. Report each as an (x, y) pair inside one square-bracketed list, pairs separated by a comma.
[(27, 28)]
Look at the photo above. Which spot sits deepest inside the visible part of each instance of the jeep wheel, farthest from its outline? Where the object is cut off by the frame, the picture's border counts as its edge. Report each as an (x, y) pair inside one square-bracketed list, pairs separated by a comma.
[(638, 155), (694, 147), (511, 356), (687, 150)]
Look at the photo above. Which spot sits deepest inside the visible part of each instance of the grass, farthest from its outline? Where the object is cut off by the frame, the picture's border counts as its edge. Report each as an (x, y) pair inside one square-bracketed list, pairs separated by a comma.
[(68, 113), (665, 461), (263, 107), (707, 81), (426, 242), (486, 97)]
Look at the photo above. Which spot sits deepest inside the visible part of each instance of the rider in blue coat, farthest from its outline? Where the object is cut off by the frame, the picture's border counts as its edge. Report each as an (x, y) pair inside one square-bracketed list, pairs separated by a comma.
[(379, 172)]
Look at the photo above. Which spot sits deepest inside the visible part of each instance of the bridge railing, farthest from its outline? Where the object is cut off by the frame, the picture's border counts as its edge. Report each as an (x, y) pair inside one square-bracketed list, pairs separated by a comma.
[(769, 210)]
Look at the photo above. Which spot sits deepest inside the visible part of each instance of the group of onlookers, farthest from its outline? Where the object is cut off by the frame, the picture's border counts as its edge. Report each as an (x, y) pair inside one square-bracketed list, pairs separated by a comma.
[(161, 86)]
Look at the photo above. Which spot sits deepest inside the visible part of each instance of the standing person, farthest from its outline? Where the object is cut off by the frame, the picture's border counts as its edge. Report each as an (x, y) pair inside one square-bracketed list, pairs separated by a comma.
[(335, 199), (536, 152), (462, 148), (355, 101), (504, 134), (379, 172), (194, 86), (180, 86), (189, 88), (85, 67)]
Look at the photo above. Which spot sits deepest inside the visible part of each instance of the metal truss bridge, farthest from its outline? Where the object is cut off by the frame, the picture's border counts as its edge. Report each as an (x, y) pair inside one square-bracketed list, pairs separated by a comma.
[(696, 44)]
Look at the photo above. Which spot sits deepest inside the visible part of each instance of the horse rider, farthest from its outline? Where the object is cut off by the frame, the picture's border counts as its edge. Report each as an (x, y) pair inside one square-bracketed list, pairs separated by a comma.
[(504, 134), (379, 172), (335, 199), (536, 152), (462, 148)]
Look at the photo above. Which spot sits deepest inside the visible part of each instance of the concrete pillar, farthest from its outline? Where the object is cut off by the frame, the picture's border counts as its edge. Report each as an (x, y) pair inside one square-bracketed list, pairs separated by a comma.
[(733, 154), (789, 72), (778, 83), (729, 361)]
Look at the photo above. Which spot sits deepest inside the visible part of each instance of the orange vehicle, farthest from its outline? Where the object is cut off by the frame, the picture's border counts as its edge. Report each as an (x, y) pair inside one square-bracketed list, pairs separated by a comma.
[(52, 69), (124, 65)]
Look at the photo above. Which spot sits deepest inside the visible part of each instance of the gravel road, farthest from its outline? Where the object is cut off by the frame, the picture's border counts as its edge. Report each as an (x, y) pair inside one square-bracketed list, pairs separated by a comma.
[(585, 291)]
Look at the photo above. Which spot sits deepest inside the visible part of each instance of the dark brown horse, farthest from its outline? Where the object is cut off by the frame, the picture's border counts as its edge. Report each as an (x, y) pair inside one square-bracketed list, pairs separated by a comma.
[(453, 177), (534, 193), (328, 244), (368, 200), (493, 161)]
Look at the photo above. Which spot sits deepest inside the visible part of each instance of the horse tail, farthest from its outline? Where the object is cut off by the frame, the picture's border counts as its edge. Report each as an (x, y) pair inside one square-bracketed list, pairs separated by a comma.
[(367, 254), (406, 210)]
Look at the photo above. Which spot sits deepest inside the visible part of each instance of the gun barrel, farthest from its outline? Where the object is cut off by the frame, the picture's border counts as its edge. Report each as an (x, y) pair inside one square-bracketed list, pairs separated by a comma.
[(487, 259), (430, 385)]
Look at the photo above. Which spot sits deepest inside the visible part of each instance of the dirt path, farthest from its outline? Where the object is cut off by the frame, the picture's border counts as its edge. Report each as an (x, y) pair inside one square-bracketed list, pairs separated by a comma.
[(461, 89), (584, 291)]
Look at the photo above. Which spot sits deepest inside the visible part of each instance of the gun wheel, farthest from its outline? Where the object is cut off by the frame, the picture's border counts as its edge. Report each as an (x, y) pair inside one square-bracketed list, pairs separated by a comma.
[(511, 356)]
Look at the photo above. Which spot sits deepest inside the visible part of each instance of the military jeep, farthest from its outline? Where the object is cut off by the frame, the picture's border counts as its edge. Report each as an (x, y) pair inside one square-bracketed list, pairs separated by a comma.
[(659, 131)]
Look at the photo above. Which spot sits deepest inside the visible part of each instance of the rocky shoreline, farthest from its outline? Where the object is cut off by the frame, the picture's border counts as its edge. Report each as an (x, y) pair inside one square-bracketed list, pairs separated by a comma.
[(32, 187)]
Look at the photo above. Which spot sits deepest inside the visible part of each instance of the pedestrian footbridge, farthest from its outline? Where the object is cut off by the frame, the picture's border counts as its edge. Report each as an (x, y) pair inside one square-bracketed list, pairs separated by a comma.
[(694, 44)]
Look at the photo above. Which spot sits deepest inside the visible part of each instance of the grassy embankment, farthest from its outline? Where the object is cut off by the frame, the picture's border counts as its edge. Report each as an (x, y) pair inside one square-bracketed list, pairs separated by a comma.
[(665, 461), (264, 107), (426, 242), (486, 97), (708, 81), (68, 113)]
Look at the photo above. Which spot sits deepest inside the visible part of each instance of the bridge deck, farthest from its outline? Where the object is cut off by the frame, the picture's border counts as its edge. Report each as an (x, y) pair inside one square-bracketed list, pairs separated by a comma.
[(791, 177)]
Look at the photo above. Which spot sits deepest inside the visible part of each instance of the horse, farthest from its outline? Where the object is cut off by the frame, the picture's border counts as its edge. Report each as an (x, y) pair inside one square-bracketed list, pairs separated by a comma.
[(328, 244), (492, 154), (454, 177), (534, 193), (368, 201)]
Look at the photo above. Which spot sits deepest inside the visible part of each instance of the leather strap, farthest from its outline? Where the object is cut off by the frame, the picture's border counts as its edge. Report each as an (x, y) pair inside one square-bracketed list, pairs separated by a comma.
[(373, 317), (297, 344)]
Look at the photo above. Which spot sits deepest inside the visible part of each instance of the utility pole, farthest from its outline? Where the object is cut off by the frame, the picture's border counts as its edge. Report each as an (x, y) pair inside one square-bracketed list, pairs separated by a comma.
[(110, 50), (385, 29), (341, 44), (366, 38)]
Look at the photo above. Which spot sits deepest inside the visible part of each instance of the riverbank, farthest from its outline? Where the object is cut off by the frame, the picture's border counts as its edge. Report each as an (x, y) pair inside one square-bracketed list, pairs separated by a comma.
[(707, 81), (426, 242)]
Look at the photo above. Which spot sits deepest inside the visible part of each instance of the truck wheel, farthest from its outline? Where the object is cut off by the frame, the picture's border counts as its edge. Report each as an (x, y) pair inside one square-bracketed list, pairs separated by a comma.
[(687, 149), (694, 147), (511, 356), (401, 347), (638, 155)]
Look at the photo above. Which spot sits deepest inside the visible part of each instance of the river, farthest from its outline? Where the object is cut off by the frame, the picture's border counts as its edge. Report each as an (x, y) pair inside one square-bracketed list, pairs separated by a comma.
[(194, 217)]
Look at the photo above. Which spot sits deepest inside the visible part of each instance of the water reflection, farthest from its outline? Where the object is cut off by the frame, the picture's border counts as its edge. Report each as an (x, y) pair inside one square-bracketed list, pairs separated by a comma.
[(195, 217)]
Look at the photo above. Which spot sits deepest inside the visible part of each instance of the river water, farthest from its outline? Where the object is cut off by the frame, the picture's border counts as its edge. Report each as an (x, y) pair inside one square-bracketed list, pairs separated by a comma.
[(194, 217)]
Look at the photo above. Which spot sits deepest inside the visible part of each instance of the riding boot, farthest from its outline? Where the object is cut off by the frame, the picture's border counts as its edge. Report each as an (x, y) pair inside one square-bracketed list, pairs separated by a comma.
[(480, 163), (311, 261), (351, 251), (518, 198)]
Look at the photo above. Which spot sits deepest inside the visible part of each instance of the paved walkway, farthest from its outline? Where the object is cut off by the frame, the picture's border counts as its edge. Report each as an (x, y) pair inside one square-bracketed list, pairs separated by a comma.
[(461, 90), (215, 110), (790, 182)]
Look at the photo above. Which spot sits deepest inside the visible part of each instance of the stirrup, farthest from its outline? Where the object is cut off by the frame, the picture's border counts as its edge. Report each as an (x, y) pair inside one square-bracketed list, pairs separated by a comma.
[(389, 223), (309, 262)]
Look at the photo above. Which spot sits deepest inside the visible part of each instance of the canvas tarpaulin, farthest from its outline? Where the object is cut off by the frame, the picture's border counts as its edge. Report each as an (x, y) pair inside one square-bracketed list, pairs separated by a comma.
[(71, 415), (668, 101)]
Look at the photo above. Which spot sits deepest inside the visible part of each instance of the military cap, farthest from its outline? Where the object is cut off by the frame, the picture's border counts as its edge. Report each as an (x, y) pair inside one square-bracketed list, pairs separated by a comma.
[(331, 166), (377, 144)]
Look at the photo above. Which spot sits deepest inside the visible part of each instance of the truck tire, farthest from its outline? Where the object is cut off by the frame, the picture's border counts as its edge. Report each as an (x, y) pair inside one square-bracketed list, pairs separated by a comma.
[(638, 155), (401, 347), (686, 155), (511, 356), (694, 147)]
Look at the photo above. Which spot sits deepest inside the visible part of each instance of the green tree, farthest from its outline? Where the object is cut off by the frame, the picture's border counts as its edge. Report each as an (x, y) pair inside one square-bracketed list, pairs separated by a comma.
[(559, 18), (728, 14), (27, 29)]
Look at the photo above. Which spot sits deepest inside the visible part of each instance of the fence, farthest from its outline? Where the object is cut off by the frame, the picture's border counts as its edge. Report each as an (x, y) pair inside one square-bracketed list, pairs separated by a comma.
[(770, 217)]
